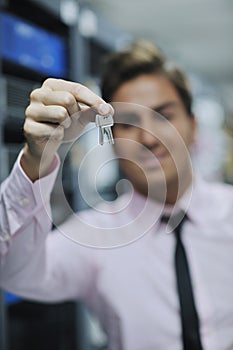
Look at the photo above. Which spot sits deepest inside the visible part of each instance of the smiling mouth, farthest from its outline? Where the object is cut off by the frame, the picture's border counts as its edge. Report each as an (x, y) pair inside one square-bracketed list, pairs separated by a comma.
[(152, 161)]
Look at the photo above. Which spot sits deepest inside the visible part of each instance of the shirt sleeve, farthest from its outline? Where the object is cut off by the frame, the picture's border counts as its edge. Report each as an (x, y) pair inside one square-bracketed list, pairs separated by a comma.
[(20, 200), (35, 262)]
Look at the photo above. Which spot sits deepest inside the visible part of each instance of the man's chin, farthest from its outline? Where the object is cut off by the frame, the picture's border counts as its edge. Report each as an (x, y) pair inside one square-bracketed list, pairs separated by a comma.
[(154, 185)]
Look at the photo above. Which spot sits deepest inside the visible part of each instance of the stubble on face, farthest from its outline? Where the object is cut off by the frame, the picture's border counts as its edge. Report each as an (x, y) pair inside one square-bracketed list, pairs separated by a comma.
[(154, 141)]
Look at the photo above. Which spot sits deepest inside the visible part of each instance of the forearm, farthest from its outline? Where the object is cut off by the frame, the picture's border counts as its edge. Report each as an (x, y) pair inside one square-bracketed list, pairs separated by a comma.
[(23, 263), (31, 263), (26, 266), (22, 204)]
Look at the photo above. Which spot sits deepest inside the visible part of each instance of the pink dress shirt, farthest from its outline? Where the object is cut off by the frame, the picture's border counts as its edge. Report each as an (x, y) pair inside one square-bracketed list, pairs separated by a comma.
[(132, 288)]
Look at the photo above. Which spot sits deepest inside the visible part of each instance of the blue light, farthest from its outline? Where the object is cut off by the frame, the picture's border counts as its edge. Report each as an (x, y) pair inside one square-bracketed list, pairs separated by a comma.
[(32, 47)]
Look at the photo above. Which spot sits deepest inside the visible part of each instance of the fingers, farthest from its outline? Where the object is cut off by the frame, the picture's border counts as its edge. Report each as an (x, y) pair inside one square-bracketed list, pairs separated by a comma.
[(41, 133), (81, 93), (48, 97), (57, 100), (60, 105), (48, 114)]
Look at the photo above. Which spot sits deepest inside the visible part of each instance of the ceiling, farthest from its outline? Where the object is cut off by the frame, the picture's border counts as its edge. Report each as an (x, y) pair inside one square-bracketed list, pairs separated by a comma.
[(195, 33)]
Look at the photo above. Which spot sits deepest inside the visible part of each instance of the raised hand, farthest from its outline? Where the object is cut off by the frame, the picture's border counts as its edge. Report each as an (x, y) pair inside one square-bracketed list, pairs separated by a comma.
[(58, 111)]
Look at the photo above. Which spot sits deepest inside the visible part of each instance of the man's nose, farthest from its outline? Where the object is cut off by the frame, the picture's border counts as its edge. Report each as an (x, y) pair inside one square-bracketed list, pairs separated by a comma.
[(148, 133)]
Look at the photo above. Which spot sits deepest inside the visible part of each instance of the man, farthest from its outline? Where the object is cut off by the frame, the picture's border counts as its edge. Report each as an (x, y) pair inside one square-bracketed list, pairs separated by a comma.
[(137, 289)]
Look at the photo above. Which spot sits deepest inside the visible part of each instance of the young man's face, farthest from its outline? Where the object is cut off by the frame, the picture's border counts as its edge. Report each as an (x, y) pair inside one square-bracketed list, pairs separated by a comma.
[(152, 149)]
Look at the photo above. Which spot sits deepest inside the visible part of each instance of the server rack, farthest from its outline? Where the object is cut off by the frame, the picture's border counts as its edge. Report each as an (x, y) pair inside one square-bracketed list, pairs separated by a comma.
[(84, 56), (44, 324)]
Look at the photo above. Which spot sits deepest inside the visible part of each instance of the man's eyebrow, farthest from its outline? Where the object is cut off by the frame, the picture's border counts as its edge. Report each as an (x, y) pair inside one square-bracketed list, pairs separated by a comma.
[(161, 107)]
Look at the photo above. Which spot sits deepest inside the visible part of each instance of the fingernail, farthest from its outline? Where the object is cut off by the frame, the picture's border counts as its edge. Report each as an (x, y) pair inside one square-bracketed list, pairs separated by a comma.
[(104, 108)]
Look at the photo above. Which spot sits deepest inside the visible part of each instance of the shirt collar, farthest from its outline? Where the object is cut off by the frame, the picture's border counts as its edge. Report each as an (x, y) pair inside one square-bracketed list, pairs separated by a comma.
[(189, 202)]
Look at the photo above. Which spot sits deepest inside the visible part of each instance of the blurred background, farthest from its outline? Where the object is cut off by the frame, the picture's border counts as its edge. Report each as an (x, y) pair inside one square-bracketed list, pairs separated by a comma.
[(69, 39)]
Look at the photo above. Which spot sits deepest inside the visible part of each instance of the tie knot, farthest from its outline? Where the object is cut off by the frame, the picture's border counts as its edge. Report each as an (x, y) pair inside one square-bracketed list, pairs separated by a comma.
[(164, 218), (174, 221)]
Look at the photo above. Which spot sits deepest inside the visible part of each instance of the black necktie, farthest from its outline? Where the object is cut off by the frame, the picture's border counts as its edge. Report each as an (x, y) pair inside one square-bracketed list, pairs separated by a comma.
[(189, 317)]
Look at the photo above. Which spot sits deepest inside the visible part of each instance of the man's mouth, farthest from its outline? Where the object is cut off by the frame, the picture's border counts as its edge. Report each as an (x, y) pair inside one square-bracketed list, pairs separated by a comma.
[(152, 160)]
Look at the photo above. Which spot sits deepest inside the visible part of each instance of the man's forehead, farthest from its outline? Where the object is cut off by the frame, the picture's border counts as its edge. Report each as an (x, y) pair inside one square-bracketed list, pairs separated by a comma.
[(129, 108)]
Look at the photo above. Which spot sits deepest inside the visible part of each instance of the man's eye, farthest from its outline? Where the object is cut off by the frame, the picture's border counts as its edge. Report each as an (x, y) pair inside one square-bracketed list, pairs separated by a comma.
[(163, 116), (125, 125), (168, 116), (127, 119)]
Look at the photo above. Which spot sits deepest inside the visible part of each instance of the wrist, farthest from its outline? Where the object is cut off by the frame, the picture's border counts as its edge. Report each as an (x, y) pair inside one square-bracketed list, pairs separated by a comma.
[(34, 165)]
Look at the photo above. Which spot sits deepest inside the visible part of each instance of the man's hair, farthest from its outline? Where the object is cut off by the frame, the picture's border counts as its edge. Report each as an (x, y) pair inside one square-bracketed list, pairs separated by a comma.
[(142, 58)]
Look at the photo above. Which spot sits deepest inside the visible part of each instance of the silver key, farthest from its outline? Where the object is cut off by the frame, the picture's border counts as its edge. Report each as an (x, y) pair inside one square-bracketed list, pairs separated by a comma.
[(104, 123)]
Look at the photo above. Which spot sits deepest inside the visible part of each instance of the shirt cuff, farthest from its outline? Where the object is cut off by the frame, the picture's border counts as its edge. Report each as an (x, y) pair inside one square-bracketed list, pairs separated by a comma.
[(21, 198)]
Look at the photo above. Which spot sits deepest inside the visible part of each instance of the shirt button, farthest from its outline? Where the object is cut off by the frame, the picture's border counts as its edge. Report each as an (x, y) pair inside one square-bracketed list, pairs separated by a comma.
[(24, 202)]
